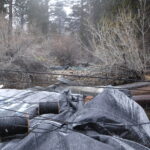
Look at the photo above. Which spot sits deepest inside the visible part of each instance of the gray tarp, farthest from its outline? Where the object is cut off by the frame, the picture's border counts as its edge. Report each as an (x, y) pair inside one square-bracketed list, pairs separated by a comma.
[(109, 122)]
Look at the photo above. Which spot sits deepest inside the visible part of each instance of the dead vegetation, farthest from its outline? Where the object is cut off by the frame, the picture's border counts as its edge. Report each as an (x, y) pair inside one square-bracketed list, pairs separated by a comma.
[(122, 42), (66, 49), (118, 47)]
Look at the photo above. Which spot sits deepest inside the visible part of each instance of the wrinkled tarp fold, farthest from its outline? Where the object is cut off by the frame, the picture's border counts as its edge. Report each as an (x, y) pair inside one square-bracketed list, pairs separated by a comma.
[(111, 121)]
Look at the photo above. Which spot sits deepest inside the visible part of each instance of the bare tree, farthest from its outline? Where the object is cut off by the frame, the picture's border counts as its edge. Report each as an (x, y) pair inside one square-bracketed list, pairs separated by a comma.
[(10, 17), (143, 27), (117, 43)]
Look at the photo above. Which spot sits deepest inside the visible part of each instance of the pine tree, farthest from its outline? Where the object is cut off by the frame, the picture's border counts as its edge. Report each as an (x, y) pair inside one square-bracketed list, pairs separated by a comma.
[(20, 8), (38, 15), (2, 7)]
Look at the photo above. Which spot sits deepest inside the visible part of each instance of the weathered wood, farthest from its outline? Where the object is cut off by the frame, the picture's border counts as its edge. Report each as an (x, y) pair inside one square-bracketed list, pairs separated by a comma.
[(135, 85), (139, 88), (85, 90), (147, 77), (142, 99), (141, 91)]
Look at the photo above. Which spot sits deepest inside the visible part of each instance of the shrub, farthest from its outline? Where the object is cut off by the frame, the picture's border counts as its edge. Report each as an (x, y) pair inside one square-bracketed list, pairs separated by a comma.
[(66, 50), (117, 42)]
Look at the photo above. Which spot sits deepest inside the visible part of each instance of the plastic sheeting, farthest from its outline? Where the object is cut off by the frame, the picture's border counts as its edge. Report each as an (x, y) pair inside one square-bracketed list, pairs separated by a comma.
[(111, 121)]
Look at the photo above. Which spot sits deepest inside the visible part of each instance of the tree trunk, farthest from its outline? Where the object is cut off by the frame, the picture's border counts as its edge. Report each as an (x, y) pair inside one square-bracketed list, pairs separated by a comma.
[(10, 24), (2, 9), (82, 15), (10, 17)]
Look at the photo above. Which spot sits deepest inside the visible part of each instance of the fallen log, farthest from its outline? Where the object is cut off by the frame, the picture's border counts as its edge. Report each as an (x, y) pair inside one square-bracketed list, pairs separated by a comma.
[(138, 88), (10, 126), (141, 91), (142, 99), (147, 77), (49, 107), (85, 90), (94, 91), (134, 85)]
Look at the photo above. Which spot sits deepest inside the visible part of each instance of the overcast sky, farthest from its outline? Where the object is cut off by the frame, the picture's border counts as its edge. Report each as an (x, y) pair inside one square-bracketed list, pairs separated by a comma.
[(67, 7)]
